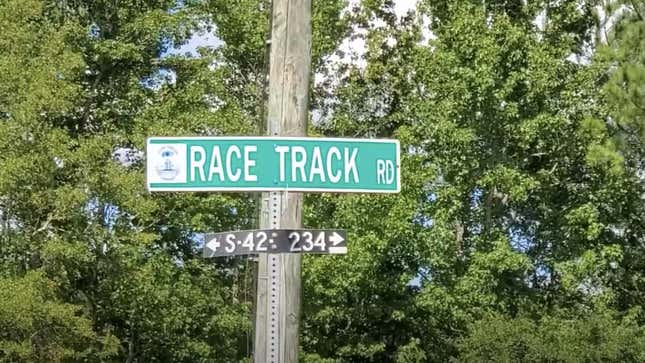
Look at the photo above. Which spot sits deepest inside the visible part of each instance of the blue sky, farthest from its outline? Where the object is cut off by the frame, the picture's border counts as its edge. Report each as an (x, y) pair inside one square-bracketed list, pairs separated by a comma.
[(209, 39), (202, 39)]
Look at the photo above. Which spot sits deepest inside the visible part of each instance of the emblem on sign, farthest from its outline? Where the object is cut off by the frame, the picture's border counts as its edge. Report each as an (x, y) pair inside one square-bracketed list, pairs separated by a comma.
[(168, 168), (251, 163)]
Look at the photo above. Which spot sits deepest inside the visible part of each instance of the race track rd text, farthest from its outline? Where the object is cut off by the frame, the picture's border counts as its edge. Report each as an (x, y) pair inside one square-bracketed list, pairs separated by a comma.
[(333, 166)]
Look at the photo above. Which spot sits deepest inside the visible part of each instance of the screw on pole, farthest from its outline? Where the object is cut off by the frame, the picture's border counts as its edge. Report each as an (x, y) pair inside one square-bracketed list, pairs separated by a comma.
[(274, 293)]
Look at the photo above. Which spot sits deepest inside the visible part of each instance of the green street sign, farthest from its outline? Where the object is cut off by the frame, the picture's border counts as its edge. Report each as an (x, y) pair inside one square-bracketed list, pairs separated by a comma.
[(296, 164)]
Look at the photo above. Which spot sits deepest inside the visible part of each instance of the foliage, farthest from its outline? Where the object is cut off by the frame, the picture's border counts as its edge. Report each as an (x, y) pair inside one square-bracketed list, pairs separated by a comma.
[(518, 234), (35, 326), (621, 55), (516, 197), (596, 337), (77, 102)]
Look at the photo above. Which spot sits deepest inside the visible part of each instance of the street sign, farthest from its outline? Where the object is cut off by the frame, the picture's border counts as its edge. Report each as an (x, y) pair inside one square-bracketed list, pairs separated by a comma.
[(296, 164), (320, 241)]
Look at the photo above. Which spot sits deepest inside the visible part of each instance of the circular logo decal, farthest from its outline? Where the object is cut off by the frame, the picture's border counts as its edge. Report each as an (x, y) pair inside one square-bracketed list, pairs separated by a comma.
[(167, 168)]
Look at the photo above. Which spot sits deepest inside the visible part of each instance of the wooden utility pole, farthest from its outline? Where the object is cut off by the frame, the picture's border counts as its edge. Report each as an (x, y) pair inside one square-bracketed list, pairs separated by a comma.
[(279, 281)]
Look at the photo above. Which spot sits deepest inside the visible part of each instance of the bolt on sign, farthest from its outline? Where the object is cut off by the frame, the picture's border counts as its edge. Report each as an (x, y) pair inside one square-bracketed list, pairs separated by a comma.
[(296, 164)]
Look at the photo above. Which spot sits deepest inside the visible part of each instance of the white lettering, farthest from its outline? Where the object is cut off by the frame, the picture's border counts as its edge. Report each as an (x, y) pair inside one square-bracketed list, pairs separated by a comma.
[(197, 164), (334, 178), (350, 165), (248, 163), (229, 153), (390, 172), (316, 166), (282, 150), (380, 171), (216, 165), (298, 163)]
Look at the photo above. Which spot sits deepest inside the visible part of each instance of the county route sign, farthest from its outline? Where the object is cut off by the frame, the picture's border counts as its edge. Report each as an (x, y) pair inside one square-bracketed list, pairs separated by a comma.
[(296, 164), (320, 241)]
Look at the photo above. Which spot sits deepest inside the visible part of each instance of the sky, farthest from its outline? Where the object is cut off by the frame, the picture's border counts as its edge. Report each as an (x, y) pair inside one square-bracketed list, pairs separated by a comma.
[(208, 39), (353, 49)]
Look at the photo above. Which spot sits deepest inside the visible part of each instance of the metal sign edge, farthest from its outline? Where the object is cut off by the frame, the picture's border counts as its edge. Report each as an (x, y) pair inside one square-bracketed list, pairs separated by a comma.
[(278, 229), (254, 189), (334, 250), (259, 189), (292, 138)]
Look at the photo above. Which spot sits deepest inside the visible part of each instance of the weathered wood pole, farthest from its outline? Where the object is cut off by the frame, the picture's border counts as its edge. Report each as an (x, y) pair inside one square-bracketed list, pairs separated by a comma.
[(279, 282)]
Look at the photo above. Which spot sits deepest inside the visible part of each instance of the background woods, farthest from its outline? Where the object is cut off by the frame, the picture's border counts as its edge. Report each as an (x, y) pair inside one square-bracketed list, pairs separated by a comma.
[(519, 234)]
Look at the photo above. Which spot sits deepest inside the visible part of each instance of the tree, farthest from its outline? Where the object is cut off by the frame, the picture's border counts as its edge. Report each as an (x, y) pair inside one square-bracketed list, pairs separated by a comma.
[(516, 200), (37, 327), (518, 228), (83, 85), (77, 109), (623, 52), (596, 337)]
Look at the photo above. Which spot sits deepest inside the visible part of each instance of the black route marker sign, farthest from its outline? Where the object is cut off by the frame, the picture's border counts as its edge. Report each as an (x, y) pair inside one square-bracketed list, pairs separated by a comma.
[(319, 241)]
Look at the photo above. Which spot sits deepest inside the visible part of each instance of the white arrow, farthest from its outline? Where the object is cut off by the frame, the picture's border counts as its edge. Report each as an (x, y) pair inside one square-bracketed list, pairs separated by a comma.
[(213, 245), (335, 239)]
